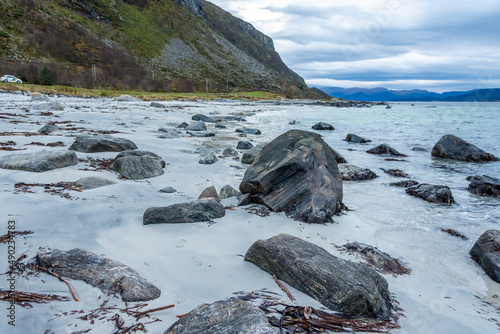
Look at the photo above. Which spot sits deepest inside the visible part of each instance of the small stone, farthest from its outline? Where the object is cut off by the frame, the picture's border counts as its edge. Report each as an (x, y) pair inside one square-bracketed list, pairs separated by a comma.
[(385, 149), (354, 173), (230, 152), (322, 126), (201, 210), (249, 131), (210, 192), (203, 118), (48, 128), (93, 182), (227, 191), (244, 145), (432, 193), (198, 126), (208, 159), (168, 190), (356, 139)]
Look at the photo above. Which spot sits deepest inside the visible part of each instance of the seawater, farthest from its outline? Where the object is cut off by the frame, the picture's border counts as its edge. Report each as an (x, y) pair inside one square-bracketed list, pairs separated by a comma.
[(446, 287)]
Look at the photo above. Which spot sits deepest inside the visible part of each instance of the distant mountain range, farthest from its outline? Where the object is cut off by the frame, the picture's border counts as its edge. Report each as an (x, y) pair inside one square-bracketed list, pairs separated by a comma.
[(383, 94)]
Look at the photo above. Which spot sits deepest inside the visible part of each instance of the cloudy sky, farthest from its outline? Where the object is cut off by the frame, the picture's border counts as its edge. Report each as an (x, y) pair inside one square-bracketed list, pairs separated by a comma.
[(438, 45)]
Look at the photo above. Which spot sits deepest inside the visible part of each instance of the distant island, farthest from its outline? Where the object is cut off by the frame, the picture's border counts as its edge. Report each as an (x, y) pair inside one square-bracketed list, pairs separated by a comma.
[(416, 95)]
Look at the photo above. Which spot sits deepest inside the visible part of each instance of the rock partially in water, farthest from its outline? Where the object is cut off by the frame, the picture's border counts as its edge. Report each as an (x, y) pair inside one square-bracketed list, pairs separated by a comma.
[(108, 275), (432, 193), (244, 145), (452, 147), (395, 172), (228, 191), (210, 192), (351, 288), (249, 131), (92, 182), (203, 118), (202, 134), (208, 159), (201, 210), (322, 126), (296, 173), (40, 161), (404, 184), (484, 185), (355, 173), (232, 316), (351, 137), (384, 149), (197, 126), (378, 259), (486, 252), (338, 157), (94, 144)]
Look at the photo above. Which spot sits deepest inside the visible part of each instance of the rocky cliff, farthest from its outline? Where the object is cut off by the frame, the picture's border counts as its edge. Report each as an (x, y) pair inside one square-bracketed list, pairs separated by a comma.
[(179, 45)]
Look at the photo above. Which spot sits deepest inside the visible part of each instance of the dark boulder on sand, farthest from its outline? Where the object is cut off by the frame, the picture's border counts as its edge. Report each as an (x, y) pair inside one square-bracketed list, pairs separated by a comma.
[(138, 165), (486, 252), (384, 149), (322, 126), (232, 316), (108, 275), (201, 210), (356, 139), (452, 147), (203, 118), (484, 185), (432, 193), (351, 288), (40, 161), (296, 173), (94, 144)]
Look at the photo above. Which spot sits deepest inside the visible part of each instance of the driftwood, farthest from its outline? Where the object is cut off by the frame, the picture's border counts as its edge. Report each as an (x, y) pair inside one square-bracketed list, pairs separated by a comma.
[(73, 293), (284, 289), (8, 236)]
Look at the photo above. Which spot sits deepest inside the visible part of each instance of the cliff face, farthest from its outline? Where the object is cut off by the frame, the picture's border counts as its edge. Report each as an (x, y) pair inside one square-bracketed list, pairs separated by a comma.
[(158, 44)]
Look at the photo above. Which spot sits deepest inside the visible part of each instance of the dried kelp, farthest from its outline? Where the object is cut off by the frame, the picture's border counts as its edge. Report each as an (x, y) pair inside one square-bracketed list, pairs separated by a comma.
[(454, 233), (58, 189), (24, 299), (259, 210), (97, 164), (8, 236)]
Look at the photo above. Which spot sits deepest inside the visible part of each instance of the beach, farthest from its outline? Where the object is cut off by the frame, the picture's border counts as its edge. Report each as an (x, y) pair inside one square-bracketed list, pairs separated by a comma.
[(196, 263)]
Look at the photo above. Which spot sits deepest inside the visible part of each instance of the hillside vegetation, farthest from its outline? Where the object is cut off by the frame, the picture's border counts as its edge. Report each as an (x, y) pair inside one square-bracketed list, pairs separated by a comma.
[(151, 45)]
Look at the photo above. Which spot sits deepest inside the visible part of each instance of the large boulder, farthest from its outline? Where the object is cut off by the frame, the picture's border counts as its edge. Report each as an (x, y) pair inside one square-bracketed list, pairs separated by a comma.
[(108, 275), (355, 173), (432, 193), (484, 185), (452, 147), (385, 149), (351, 288), (296, 173), (201, 210), (232, 316), (351, 137), (140, 153), (93, 144), (40, 161), (486, 252), (138, 167)]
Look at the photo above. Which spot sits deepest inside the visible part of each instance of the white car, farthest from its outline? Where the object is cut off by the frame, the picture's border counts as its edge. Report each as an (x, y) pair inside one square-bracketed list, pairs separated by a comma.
[(10, 78)]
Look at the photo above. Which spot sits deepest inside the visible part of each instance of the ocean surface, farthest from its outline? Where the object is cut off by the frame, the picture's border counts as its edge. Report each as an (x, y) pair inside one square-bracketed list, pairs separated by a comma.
[(447, 292)]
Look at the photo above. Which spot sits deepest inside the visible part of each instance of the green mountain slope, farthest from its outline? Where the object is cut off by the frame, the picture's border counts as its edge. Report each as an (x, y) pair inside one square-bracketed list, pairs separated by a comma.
[(178, 45)]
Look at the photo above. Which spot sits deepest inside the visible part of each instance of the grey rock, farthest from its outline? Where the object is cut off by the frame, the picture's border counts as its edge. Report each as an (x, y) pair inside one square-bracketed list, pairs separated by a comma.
[(343, 286), (452, 147), (201, 210), (52, 105), (40, 161), (157, 105), (93, 144), (93, 182), (127, 98), (248, 158), (322, 126), (384, 149), (203, 118), (108, 275), (432, 193), (138, 167), (378, 259), (208, 159), (210, 192), (48, 128), (183, 125), (356, 139), (486, 253), (249, 131), (395, 172), (244, 145), (168, 190), (168, 133), (202, 134), (230, 152), (354, 173), (232, 316), (484, 185), (296, 173), (220, 126), (198, 126), (339, 158), (244, 199), (36, 97), (227, 191), (140, 153), (419, 149), (404, 184)]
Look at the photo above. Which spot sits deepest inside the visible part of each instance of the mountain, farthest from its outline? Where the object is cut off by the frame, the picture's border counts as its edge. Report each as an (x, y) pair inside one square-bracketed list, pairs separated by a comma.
[(479, 95), (383, 94), (178, 45)]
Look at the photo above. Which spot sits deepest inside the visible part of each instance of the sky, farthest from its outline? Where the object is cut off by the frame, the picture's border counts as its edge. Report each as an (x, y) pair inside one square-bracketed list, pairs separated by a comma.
[(438, 45)]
